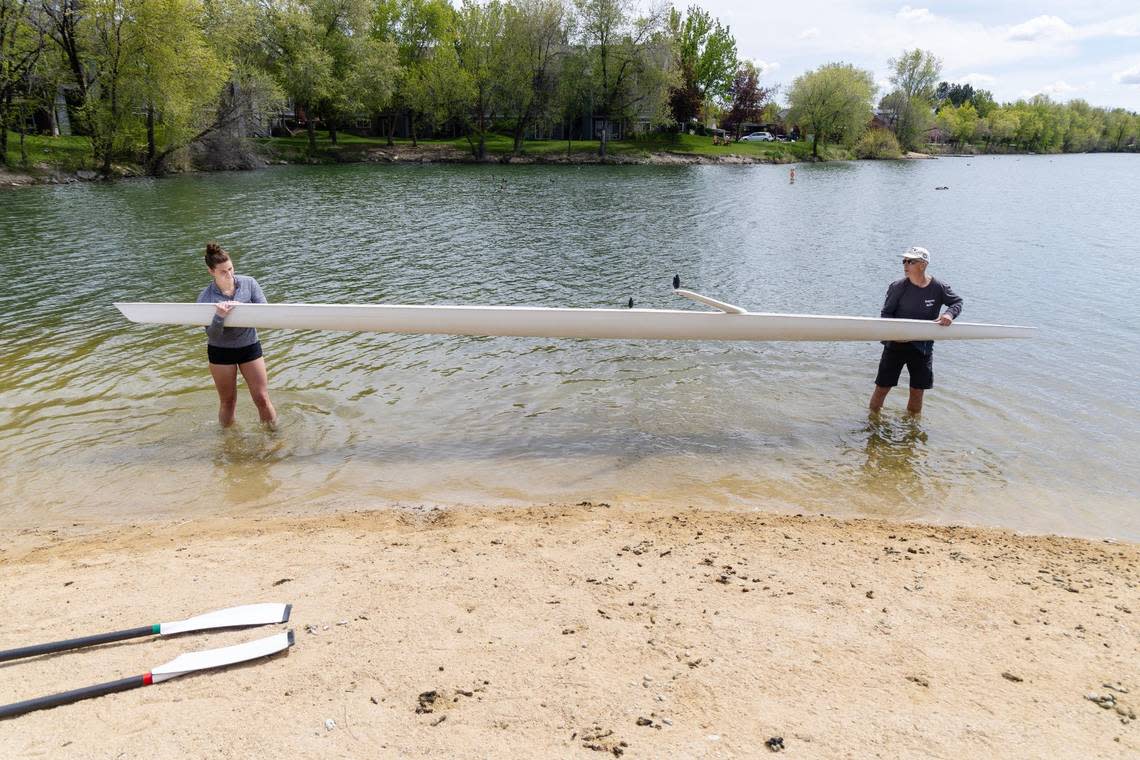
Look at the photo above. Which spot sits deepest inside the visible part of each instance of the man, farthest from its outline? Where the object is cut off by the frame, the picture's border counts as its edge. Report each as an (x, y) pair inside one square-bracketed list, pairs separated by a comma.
[(916, 296)]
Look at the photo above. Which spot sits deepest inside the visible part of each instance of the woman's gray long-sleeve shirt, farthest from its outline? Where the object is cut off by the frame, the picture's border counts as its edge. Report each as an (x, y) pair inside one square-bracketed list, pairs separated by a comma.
[(217, 334)]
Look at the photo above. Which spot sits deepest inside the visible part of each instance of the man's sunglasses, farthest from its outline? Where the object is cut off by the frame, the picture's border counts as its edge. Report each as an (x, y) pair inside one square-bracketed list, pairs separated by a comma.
[(910, 261)]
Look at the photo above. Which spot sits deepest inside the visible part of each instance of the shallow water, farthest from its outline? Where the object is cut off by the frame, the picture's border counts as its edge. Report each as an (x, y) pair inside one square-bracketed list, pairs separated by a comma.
[(102, 420)]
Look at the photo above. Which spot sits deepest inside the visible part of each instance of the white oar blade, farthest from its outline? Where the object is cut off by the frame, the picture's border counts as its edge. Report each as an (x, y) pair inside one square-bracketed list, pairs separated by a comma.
[(232, 617), (219, 658)]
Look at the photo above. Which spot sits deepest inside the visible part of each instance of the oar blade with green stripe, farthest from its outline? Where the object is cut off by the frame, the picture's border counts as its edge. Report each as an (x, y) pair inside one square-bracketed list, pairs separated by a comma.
[(231, 617)]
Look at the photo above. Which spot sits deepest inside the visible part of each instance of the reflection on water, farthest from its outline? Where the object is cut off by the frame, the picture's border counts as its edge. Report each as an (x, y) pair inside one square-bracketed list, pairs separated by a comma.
[(896, 452), (243, 463), (104, 420)]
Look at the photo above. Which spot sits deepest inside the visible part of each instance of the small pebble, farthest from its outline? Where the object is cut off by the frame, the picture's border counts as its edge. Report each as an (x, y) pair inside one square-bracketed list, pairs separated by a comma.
[(330, 724)]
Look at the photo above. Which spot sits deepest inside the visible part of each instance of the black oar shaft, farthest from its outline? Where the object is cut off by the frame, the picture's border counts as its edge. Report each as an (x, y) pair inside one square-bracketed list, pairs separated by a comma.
[(63, 698), (83, 641)]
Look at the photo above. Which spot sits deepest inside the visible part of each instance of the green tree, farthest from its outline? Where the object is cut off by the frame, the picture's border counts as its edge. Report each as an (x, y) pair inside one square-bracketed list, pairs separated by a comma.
[(241, 33), (833, 103), (1004, 124), (437, 89), (1120, 129), (984, 102), (1084, 129), (914, 75), (705, 59), (304, 68), (21, 44), (529, 68), (177, 75), (480, 46), (960, 122), (629, 61), (113, 40), (67, 23), (416, 28)]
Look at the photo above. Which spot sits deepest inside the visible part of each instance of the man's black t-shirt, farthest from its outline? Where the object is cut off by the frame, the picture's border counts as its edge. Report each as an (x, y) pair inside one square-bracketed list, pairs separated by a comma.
[(905, 300)]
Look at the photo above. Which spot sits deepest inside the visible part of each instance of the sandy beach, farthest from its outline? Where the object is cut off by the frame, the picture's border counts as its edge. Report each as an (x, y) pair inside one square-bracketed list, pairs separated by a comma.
[(583, 631)]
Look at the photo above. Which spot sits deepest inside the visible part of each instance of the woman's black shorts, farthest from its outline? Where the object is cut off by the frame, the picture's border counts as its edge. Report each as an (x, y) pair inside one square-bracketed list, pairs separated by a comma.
[(919, 365), (241, 355)]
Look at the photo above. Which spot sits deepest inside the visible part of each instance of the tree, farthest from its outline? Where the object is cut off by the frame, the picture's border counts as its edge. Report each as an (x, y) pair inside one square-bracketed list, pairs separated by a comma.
[(748, 98), (960, 122), (21, 44), (1120, 128), (242, 35), (914, 75), (705, 58), (956, 94), (437, 89), (416, 28), (177, 75), (479, 44), (304, 68), (984, 102), (833, 102), (528, 71), (63, 20), (628, 60)]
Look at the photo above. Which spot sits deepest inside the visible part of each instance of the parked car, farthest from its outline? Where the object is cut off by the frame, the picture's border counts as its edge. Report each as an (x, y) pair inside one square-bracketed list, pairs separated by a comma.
[(758, 137)]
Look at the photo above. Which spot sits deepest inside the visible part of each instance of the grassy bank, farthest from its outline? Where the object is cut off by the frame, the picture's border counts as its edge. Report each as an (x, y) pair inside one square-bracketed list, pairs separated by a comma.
[(67, 154), (54, 155), (352, 147)]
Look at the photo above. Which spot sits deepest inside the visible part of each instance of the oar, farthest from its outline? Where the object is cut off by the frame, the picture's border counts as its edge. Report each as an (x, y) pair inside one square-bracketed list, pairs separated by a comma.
[(727, 308), (190, 662), (232, 617)]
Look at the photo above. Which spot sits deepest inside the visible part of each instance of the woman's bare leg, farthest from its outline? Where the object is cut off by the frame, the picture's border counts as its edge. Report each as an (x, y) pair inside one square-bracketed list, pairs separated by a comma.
[(257, 379), (914, 403), (225, 380)]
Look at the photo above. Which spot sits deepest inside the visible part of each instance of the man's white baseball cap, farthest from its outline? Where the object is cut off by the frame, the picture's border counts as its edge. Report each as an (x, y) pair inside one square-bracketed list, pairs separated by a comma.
[(917, 253)]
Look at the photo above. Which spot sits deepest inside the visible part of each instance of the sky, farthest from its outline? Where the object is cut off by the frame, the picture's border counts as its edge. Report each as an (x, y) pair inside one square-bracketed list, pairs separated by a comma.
[(1066, 50)]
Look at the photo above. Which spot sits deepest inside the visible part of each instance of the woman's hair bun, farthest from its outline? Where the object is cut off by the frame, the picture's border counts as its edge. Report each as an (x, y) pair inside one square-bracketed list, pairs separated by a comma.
[(215, 254)]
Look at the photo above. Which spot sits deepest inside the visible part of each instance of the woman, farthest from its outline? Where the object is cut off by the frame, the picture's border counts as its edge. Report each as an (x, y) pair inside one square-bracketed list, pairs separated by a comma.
[(234, 348)]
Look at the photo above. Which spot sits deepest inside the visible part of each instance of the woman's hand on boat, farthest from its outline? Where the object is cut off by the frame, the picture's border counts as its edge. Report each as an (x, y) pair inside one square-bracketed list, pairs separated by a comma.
[(223, 308)]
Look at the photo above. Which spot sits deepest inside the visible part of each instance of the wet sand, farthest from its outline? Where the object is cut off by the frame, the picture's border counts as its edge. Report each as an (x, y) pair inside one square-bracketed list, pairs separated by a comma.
[(584, 631)]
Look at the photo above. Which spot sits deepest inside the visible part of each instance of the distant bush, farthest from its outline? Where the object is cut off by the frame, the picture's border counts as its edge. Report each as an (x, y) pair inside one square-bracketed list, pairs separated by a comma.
[(878, 143)]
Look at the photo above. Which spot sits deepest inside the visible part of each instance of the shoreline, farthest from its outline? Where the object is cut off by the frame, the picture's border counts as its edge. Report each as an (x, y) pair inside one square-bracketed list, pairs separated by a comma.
[(400, 154), (566, 630)]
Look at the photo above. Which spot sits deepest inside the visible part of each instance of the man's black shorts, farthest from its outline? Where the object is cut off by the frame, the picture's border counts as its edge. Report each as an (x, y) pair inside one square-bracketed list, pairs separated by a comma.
[(919, 365)]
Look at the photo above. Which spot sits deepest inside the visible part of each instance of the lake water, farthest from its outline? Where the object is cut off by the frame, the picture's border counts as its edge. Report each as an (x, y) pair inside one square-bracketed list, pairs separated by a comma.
[(105, 421)]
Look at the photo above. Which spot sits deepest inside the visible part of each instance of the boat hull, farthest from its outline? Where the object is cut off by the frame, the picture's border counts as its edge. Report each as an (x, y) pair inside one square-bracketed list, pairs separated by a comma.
[(539, 322)]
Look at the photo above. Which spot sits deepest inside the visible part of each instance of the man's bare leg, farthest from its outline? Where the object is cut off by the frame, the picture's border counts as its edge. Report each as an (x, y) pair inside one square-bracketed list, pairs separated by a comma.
[(880, 395), (914, 404)]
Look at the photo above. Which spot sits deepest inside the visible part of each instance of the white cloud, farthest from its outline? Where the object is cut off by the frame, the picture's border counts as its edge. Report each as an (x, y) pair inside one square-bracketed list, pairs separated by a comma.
[(767, 68), (1041, 28), (1054, 90), (809, 34), (978, 79), (914, 14), (1128, 76)]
